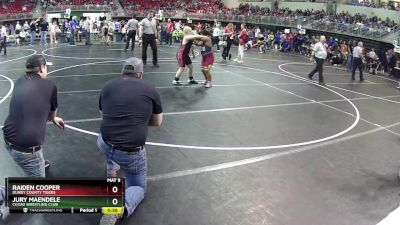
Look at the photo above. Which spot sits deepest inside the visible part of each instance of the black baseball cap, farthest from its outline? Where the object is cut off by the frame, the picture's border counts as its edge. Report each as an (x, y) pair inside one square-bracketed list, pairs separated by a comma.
[(36, 61)]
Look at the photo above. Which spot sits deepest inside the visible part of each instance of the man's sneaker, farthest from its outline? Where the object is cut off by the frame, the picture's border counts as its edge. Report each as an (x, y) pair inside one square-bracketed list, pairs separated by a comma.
[(112, 219), (46, 163), (240, 61), (192, 82), (4, 212), (230, 56), (176, 82), (109, 219), (112, 172), (156, 66), (235, 60), (208, 85)]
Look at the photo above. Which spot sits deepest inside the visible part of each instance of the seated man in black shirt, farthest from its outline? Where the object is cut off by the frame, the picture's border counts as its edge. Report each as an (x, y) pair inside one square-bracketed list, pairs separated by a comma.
[(128, 105), (33, 103)]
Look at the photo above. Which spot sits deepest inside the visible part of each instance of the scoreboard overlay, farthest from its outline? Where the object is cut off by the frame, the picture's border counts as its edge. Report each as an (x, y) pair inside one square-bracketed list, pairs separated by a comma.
[(65, 195)]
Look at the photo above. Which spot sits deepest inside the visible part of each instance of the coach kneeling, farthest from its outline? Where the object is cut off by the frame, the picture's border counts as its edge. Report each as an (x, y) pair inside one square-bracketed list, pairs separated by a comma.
[(128, 105)]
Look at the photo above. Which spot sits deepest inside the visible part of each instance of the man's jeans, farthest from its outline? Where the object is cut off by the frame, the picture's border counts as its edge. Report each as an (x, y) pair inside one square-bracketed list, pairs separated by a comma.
[(43, 36), (31, 163), (350, 62), (134, 166), (33, 36), (87, 35)]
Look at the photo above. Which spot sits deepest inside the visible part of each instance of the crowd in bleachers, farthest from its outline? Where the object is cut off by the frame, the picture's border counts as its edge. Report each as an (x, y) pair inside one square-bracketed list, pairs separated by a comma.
[(75, 2), (339, 51), (373, 4), (16, 6), (195, 10), (171, 7)]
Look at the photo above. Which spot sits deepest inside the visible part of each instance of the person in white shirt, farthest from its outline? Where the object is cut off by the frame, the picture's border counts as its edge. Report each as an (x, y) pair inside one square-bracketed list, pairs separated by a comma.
[(357, 61), (87, 25), (257, 33), (372, 54), (52, 29), (22, 37), (18, 29), (178, 25), (3, 38), (216, 35), (18, 26), (26, 26), (320, 55)]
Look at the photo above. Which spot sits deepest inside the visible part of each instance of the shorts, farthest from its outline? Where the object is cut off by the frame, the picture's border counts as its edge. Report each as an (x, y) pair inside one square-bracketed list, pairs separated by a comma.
[(183, 60), (207, 60)]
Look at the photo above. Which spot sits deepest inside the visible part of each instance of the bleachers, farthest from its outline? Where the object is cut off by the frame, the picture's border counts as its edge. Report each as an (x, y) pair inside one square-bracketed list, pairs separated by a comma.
[(79, 2), (187, 5), (17, 6)]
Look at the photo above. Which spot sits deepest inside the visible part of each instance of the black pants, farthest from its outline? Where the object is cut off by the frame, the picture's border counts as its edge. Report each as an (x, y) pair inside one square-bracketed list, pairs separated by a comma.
[(146, 40), (318, 67), (131, 36), (357, 63), (169, 38), (215, 40), (227, 48), (3, 45)]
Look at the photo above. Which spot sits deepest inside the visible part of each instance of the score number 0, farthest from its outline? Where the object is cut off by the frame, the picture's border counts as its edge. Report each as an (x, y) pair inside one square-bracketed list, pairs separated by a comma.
[(114, 190)]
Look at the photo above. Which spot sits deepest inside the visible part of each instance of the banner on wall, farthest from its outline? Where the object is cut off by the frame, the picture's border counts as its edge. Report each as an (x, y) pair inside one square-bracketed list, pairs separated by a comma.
[(396, 46), (302, 31)]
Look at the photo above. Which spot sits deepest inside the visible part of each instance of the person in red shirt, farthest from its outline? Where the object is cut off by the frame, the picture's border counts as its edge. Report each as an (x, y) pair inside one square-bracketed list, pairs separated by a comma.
[(170, 29), (243, 36)]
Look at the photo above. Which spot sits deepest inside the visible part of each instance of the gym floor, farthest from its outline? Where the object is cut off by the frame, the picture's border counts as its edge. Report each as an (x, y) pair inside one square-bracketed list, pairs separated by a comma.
[(263, 146)]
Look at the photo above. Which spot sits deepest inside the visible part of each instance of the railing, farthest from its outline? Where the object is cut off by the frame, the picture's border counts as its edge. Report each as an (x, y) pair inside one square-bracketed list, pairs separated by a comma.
[(19, 16), (375, 33), (59, 8)]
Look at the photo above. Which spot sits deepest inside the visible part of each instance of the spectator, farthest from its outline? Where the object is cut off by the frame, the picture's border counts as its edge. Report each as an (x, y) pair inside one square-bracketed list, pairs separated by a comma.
[(358, 61), (243, 36), (44, 26), (3, 38), (320, 54)]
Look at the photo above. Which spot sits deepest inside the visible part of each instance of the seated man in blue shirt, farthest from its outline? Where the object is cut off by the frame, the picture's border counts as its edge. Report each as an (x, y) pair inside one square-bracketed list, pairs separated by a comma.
[(285, 46)]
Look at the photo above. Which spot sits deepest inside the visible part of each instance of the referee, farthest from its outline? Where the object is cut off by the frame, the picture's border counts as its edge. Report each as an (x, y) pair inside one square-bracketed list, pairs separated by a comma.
[(320, 55), (131, 27), (149, 35), (33, 103), (357, 61)]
